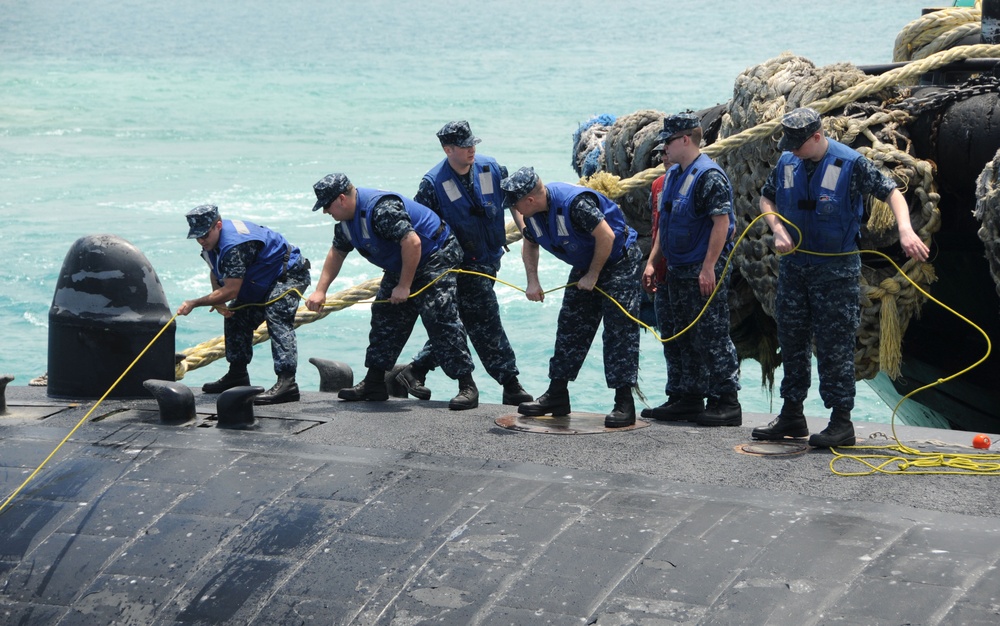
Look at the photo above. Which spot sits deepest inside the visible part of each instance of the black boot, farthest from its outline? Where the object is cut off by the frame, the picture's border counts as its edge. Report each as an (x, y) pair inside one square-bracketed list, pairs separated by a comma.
[(685, 408), (413, 377), (371, 388), (514, 394), (839, 432), (555, 401), (624, 412), (723, 411), (236, 377), (790, 423), (651, 413), (285, 390), (468, 395)]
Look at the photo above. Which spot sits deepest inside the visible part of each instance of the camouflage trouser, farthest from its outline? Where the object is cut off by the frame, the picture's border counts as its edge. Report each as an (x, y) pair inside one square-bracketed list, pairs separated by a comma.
[(707, 364), (280, 318), (665, 325), (480, 314), (437, 308), (581, 314), (818, 302)]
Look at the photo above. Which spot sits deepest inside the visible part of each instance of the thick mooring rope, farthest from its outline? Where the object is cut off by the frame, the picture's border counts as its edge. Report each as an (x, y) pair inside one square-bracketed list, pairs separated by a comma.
[(988, 213)]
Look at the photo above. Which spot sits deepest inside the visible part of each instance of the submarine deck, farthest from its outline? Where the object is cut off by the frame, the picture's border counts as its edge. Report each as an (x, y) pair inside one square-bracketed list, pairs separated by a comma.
[(404, 512)]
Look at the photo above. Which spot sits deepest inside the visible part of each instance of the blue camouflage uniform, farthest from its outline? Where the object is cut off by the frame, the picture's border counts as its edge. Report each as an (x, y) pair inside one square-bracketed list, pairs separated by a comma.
[(582, 311), (257, 255), (472, 205), (704, 358), (818, 297), (391, 218)]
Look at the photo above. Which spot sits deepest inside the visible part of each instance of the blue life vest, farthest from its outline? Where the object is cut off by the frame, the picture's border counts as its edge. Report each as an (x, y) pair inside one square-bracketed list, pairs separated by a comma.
[(274, 259), (821, 207), (553, 229), (478, 222), (685, 233), (388, 254)]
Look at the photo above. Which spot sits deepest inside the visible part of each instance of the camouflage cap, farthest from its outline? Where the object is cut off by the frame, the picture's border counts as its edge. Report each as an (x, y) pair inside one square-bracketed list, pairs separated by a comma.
[(329, 188), (457, 134), (798, 125), (519, 184), (201, 219), (678, 123)]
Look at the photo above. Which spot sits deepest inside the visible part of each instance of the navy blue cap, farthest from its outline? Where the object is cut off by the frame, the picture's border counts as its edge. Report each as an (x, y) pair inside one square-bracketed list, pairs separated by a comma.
[(678, 123), (329, 188), (457, 134), (519, 184), (798, 126), (201, 219)]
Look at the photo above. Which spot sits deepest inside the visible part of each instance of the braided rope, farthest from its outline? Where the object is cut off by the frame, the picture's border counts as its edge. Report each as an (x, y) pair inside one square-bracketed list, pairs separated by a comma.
[(988, 213), (925, 34), (614, 186)]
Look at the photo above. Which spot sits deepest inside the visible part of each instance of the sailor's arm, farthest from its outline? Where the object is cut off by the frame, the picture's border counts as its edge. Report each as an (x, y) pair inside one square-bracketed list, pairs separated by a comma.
[(221, 294), (649, 273), (410, 250), (716, 242), (529, 254), (908, 238), (331, 268), (604, 241), (782, 240)]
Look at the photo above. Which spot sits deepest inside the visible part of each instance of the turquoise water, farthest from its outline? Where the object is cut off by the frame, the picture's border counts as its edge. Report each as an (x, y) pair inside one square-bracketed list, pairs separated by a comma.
[(118, 117)]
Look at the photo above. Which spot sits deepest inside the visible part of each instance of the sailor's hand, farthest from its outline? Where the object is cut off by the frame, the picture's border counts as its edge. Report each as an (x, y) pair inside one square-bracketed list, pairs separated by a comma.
[(587, 282), (535, 293), (185, 308), (782, 241), (648, 276), (399, 294), (224, 311), (315, 301), (706, 281), (913, 246)]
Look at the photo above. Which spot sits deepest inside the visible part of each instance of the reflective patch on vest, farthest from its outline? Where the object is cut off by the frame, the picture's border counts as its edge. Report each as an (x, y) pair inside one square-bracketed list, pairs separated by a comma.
[(686, 185), (789, 176), (451, 190), (486, 182), (830, 177), (347, 233), (364, 229), (535, 226), (240, 227), (561, 229)]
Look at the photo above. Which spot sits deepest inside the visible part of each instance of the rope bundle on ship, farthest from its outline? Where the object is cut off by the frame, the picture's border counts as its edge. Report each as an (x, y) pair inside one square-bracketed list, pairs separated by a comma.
[(873, 114)]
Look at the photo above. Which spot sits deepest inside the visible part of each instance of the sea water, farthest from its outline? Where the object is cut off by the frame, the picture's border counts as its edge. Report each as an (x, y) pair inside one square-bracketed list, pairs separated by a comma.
[(118, 117)]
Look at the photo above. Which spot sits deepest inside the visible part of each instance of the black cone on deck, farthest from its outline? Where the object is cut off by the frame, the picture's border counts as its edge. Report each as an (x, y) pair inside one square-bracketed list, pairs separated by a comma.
[(108, 305)]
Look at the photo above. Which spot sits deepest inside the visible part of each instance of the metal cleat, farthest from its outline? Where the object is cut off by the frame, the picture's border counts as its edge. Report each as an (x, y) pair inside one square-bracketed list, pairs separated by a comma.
[(333, 375), (175, 400), (235, 406)]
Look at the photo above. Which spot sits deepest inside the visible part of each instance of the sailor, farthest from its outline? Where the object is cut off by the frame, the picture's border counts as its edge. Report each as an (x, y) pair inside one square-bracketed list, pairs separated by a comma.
[(819, 185), (654, 280), (586, 230), (695, 236), (413, 247), (464, 190), (259, 274)]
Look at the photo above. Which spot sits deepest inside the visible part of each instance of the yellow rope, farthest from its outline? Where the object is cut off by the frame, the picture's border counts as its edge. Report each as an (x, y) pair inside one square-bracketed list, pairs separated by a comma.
[(84, 418)]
